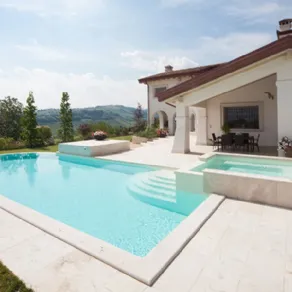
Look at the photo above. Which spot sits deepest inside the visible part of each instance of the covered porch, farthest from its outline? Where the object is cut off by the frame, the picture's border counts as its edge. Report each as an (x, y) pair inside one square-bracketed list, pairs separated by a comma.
[(256, 101)]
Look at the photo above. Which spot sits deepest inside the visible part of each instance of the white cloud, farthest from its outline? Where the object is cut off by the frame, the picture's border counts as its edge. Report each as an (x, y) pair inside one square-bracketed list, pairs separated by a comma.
[(153, 62), (225, 48), (84, 89), (209, 50), (45, 53), (42, 52), (176, 3), (53, 7), (259, 10)]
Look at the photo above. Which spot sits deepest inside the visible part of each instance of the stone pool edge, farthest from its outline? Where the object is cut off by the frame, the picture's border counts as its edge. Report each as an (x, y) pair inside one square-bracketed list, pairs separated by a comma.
[(146, 270)]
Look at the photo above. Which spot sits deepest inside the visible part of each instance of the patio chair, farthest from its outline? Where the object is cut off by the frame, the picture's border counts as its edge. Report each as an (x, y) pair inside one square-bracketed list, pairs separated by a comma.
[(239, 141), (226, 141), (255, 143), (246, 140), (216, 141)]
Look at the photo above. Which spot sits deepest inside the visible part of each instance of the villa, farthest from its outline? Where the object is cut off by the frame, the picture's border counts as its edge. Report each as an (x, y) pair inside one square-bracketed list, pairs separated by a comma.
[(252, 92), (108, 216)]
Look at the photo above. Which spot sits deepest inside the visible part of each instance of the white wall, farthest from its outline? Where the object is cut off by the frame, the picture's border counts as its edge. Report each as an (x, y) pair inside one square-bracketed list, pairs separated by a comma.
[(156, 106), (252, 93)]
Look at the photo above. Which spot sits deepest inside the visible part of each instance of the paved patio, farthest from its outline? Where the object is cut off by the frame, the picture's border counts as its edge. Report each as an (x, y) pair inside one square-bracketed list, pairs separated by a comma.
[(244, 247), (158, 153)]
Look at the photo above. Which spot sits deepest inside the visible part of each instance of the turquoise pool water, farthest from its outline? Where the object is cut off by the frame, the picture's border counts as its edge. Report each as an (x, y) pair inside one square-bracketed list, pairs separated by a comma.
[(261, 166), (90, 195)]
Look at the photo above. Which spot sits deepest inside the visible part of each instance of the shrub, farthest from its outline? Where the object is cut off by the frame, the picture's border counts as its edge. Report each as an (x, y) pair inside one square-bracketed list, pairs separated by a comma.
[(10, 144), (161, 133), (44, 136), (225, 128), (102, 126), (84, 130), (149, 133)]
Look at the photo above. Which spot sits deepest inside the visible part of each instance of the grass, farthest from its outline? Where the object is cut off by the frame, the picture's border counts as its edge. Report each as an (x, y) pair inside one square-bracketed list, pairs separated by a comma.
[(53, 148), (10, 283)]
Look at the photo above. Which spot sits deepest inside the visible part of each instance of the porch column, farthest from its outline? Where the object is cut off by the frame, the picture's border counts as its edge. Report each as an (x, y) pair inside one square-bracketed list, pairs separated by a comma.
[(170, 125), (284, 100), (201, 126), (182, 135)]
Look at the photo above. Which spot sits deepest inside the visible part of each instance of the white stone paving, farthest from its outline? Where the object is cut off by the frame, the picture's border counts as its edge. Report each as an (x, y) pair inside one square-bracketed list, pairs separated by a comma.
[(158, 153), (243, 247)]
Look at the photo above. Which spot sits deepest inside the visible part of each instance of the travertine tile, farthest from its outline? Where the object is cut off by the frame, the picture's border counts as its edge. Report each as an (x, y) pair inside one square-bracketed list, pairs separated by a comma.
[(74, 272), (33, 254), (13, 233)]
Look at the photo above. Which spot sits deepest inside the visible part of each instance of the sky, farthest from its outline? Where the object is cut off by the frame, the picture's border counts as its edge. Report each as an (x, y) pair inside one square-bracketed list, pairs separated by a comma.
[(97, 49)]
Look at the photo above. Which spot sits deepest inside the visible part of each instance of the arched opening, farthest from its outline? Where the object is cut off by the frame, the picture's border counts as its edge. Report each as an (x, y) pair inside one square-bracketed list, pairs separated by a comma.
[(193, 123), (160, 120)]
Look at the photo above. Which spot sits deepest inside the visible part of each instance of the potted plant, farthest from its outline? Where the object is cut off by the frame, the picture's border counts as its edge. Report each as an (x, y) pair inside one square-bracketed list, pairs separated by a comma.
[(161, 133), (285, 147), (225, 128), (99, 135)]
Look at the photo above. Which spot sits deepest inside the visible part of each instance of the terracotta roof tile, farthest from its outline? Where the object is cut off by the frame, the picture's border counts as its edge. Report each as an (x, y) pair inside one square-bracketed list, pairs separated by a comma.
[(230, 67), (178, 73)]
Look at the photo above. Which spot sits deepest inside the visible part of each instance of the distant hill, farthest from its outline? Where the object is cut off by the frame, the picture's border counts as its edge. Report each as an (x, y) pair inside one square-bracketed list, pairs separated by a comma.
[(115, 115)]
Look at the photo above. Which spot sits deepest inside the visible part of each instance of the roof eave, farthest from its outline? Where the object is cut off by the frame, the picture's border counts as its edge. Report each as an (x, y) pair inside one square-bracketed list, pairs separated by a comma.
[(276, 47)]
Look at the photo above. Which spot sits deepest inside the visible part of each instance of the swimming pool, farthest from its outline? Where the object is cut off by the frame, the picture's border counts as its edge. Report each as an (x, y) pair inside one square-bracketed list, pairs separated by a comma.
[(92, 196), (250, 165)]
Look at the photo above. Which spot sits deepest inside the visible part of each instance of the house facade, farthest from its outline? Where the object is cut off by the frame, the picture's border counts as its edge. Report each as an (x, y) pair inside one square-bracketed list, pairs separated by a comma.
[(163, 111), (252, 94)]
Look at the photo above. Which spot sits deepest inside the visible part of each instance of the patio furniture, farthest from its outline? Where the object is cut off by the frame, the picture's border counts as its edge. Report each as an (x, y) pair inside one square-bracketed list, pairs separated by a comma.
[(255, 143), (226, 141), (239, 141), (216, 141)]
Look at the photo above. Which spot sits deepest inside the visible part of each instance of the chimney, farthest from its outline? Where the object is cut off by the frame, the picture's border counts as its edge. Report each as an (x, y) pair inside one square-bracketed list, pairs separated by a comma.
[(285, 28), (168, 68)]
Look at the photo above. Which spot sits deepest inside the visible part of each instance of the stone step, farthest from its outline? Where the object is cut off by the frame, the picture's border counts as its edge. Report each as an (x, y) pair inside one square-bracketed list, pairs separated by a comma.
[(157, 189)]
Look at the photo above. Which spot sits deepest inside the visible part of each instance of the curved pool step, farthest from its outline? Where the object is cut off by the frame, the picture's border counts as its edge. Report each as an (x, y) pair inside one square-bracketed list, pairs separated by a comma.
[(155, 188)]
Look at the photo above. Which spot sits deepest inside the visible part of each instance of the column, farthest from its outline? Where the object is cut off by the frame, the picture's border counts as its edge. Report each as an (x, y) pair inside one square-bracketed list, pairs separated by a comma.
[(170, 125), (182, 134), (201, 126), (284, 102)]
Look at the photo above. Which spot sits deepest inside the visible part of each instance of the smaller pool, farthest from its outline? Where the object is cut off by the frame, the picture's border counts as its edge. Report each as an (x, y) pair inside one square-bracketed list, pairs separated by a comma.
[(261, 166)]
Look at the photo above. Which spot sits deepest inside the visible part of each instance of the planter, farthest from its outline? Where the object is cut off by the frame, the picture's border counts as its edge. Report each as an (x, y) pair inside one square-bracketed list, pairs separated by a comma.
[(281, 153), (162, 136), (100, 138), (288, 152)]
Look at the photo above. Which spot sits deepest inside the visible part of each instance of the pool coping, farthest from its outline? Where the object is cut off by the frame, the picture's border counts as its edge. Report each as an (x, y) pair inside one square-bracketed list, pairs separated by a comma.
[(147, 269)]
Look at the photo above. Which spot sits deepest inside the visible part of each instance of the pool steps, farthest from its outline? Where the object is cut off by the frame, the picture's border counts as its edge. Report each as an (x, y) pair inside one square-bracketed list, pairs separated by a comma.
[(156, 188)]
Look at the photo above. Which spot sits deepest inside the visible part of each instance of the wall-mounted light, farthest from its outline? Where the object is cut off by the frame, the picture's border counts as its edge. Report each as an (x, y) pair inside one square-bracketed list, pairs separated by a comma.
[(270, 95)]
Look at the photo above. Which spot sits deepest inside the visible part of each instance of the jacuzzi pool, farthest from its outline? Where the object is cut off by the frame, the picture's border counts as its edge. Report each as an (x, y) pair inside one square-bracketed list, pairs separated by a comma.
[(249, 165)]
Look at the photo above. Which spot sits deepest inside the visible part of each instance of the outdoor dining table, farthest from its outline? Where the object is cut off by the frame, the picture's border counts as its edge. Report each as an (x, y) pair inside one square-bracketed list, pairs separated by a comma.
[(248, 141)]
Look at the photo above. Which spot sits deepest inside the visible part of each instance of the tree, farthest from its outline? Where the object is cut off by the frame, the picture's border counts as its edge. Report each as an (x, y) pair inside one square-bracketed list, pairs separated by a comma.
[(140, 123), (45, 136), (29, 122), (10, 118), (66, 130)]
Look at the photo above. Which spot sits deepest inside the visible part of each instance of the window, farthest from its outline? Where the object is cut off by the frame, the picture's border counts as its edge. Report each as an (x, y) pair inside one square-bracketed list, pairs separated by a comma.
[(242, 117), (158, 90)]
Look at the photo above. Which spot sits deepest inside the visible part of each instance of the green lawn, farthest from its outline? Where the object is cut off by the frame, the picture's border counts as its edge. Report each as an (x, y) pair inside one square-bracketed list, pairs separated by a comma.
[(53, 148), (9, 282)]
